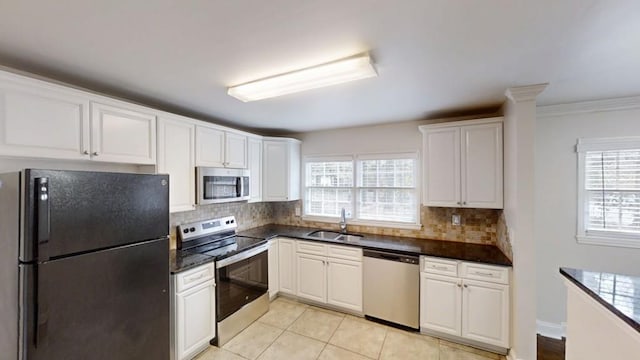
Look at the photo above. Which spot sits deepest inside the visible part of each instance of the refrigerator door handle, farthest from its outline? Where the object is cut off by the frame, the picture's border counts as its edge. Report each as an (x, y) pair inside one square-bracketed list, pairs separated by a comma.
[(42, 309), (43, 218)]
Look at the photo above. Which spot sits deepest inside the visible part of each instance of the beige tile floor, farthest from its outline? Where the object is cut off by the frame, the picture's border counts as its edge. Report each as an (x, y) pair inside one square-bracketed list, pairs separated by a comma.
[(295, 331)]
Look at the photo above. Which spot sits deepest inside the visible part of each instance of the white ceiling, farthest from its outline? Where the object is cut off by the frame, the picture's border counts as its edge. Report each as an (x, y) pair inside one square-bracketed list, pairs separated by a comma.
[(433, 56)]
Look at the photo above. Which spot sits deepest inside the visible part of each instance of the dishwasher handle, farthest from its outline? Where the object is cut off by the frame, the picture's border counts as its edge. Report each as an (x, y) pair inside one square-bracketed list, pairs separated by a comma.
[(390, 256)]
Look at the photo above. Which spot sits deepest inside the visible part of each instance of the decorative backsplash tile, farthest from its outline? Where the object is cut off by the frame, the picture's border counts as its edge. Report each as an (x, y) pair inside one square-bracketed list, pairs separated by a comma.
[(478, 226), (503, 241), (248, 215)]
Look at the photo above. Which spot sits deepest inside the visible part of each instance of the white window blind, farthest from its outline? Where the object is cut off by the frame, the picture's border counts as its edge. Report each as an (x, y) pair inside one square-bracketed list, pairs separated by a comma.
[(386, 190), (609, 191), (371, 188), (329, 187), (612, 186)]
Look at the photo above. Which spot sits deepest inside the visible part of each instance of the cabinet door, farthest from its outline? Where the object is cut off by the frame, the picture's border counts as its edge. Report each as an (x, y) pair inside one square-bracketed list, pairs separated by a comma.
[(482, 166), (196, 325), (255, 169), (235, 151), (276, 171), (176, 143), (442, 167), (485, 312), (209, 147), (41, 122), (274, 285), (312, 277), (286, 266), (344, 284), (440, 302), (122, 135)]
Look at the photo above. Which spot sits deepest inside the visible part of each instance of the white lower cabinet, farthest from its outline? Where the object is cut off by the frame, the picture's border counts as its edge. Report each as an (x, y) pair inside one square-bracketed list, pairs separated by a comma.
[(286, 266), (274, 283), (194, 311), (312, 277), (330, 274), (455, 303)]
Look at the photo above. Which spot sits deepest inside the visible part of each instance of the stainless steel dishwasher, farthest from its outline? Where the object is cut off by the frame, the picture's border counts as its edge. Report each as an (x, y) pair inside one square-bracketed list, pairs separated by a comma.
[(392, 288)]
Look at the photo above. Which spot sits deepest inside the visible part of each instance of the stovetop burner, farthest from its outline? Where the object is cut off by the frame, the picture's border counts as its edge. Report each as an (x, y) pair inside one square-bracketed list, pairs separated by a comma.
[(215, 238)]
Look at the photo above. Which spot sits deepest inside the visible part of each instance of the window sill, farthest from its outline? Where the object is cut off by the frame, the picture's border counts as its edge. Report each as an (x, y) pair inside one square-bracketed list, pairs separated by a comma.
[(626, 242), (382, 224)]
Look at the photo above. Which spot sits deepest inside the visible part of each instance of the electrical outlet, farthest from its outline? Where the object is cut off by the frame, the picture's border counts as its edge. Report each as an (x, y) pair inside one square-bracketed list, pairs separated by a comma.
[(297, 210), (455, 219)]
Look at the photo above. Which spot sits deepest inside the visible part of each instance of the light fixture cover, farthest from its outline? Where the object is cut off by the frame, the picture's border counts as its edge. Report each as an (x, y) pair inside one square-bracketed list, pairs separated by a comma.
[(335, 72)]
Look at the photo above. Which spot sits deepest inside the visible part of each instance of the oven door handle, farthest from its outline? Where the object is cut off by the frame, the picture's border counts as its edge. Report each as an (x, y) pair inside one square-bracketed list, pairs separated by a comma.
[(242, 256)]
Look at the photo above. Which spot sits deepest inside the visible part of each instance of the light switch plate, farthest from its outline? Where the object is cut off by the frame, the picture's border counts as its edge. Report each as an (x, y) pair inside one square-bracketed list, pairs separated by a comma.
[(455, 219)]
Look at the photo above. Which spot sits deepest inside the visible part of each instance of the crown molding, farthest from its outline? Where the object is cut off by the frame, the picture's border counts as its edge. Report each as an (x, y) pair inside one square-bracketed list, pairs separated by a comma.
[(525, 93), (625, 103)]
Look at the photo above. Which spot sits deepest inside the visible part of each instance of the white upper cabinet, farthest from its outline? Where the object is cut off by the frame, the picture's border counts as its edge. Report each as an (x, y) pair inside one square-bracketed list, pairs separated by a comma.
[(219, 148), (122, 135), (254, 162), (463, 164), (281, 174), (176, 157), (42, 120)]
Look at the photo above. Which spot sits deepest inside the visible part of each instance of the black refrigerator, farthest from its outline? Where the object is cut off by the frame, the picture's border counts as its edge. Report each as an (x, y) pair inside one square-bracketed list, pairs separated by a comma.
[(84, 265)]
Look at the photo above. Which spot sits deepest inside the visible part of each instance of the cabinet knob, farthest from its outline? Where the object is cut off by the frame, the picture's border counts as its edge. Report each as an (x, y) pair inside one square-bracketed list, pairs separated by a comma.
[(466, 286), (86, 152), (459, 285), (464, 203), (459, 203), (95, 153)]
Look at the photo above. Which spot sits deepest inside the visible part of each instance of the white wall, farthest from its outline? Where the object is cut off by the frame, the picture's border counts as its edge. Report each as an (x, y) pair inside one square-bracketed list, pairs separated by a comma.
[(519, 129), (556, 207), (400, 137)]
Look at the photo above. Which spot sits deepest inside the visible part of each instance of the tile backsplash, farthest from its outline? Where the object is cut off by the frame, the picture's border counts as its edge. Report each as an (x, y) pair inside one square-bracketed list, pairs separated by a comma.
[(248, 215), (479, 226)]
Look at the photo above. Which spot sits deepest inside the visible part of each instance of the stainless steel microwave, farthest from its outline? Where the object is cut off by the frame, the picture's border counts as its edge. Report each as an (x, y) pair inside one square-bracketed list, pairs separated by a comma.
[(218, 185)]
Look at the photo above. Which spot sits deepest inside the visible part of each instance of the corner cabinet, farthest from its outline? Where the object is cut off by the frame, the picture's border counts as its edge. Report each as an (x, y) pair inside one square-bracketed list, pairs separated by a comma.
[(465, 302), (463, 164), (281, 169), (254, 162), (176, 145), (219, 148), (194, 317)]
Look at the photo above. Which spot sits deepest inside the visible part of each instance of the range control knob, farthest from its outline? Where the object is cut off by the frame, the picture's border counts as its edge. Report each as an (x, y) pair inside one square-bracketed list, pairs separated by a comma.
[(192, 229), (185, 231)]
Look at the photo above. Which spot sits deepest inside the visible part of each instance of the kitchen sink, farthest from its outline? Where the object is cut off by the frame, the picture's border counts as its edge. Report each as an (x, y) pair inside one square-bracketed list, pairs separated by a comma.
[(333, 235)]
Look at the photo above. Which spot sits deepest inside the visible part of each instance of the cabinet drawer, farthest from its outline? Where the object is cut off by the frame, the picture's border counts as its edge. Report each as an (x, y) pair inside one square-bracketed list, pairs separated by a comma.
[(344, 252), (313, 248), (439, 266), (191, 278), (484, 272)]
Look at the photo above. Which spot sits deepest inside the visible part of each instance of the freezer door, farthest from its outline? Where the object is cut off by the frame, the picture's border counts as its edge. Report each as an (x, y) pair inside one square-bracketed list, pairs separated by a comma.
[(110, 304), (72, 212)]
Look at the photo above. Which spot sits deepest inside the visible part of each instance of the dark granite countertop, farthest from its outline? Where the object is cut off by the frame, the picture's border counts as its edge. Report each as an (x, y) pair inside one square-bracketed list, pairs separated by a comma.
[(619, 293), (488, 254)]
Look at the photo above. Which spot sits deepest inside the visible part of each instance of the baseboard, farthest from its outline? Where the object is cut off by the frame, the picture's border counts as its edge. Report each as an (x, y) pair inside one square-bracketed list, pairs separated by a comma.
[(552, 330)]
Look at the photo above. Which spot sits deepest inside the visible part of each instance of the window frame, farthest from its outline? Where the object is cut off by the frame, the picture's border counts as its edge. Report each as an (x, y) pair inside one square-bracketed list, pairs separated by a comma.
[(604, 238), (355, 158)]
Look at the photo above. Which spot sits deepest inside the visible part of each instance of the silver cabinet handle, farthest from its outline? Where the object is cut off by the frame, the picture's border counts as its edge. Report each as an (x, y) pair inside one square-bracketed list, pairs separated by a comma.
[(483, 273), (439, 267)]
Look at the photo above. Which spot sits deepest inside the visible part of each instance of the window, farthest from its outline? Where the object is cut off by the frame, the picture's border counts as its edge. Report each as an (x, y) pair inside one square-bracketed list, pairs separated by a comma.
[(609, 191), (371, 188)]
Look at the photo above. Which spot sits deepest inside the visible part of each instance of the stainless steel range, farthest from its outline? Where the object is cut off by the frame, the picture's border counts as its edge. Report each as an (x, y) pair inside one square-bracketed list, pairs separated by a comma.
[(242, 271)]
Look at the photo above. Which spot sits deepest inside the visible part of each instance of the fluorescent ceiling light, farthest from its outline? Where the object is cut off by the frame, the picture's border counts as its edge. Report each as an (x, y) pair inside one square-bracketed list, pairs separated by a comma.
[(332, 73)]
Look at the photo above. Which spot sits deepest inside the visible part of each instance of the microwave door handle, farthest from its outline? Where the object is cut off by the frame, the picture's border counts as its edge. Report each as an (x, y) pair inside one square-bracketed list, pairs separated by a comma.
[(239, 186)]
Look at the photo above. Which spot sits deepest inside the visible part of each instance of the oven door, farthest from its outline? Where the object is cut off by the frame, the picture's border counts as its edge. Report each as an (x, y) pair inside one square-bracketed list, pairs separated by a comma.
[(240, 279)]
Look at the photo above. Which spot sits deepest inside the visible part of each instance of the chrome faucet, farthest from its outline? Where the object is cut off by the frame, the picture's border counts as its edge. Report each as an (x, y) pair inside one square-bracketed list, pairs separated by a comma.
[(343, 221)]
